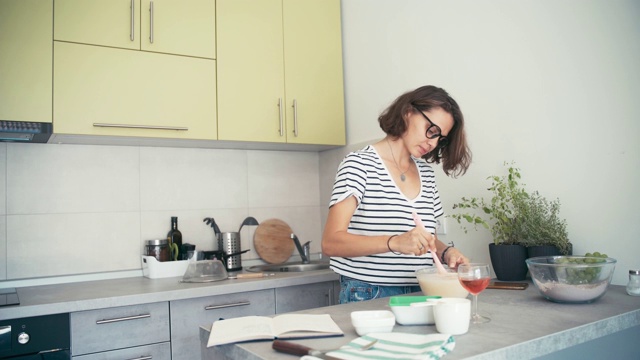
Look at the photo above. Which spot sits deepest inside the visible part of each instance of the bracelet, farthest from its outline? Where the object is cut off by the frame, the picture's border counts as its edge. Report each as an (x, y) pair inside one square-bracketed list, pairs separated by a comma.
[(444, 252), (388, 246)]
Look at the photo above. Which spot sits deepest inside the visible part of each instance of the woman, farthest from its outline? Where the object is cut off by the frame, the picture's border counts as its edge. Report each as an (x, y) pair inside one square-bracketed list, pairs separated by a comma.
[(370, 233)]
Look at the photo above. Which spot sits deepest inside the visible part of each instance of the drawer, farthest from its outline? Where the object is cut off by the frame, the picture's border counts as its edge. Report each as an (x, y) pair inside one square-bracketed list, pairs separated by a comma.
[(160, 351), (119, 327), (188, 315), (302, 297)]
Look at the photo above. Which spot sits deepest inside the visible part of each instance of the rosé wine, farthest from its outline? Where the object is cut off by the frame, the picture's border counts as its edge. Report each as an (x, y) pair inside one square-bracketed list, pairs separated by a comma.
[(475, 286)]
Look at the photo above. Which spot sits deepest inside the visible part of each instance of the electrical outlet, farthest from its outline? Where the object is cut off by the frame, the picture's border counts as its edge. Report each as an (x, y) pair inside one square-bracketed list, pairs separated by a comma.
[(441, 226)]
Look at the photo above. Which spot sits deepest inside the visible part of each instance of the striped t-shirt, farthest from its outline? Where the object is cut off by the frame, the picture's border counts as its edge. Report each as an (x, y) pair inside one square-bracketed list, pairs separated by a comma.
[(383, 210)]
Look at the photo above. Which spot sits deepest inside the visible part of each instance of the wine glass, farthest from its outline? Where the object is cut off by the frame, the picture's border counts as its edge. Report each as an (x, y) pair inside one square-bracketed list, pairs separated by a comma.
[(475, 278)]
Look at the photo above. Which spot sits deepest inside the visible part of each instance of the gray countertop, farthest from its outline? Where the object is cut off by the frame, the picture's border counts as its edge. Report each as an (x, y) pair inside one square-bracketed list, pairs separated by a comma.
[(523, 325), (91, 295)]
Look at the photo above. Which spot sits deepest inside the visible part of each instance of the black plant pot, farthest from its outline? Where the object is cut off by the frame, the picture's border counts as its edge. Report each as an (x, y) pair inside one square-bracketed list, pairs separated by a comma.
[(545, 250), (542, 250), (508, 261)]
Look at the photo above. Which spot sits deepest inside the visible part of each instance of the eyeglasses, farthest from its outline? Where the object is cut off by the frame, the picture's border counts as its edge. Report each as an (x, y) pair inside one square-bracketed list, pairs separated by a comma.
[(434, 131)]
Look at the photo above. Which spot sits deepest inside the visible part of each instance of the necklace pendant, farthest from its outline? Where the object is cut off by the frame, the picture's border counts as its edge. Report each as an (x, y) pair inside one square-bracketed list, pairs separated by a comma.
[(402, 177)]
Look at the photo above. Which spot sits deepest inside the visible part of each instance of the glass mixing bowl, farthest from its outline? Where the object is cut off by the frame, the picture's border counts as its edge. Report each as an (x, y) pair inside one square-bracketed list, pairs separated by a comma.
[(571, 279)]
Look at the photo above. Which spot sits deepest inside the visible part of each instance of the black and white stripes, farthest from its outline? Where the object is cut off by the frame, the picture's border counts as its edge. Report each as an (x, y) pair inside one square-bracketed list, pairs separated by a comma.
[(383, 210)]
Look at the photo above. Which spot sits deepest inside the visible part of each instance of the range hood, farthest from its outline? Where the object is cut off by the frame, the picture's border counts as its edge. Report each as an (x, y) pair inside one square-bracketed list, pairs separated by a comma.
[(24, 131)]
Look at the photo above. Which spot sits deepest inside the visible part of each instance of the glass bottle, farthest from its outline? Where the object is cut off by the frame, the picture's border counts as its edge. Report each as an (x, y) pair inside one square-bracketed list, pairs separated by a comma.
[(175, 239), (633, 287)]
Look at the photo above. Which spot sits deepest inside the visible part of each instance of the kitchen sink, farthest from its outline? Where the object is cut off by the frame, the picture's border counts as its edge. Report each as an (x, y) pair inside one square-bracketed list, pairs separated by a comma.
[(292, 267)]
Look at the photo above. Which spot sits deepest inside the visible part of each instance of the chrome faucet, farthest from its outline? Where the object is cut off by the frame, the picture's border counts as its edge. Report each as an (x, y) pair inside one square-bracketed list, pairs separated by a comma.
[(302, 249)]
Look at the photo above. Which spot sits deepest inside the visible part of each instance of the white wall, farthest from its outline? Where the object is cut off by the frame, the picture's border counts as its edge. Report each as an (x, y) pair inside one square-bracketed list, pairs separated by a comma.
[(553, 85)]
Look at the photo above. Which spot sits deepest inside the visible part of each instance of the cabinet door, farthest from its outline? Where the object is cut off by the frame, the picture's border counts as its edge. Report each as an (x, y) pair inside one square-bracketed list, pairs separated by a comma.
[(113, 23), (179, 27), (26, 60), (250, 70), (313, 72), (302, 297), (188, 315), (141, 93)]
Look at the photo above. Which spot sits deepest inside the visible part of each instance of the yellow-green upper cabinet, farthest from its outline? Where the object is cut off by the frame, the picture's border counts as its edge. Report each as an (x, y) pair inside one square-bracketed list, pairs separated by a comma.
[(271, 55), (179, 27), (117, 92), (26, 60), (250, 70), (166, 26), (313, 72), (114, 23)]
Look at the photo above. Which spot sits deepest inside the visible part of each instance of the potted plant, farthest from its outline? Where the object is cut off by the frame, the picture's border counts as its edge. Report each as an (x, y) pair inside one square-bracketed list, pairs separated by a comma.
[(542, 230), (501, 215)]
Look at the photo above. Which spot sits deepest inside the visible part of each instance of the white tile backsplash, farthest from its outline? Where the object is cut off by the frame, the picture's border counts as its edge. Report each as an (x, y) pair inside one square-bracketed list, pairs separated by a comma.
[(89, 209), (62, 244), (53, 179), (184, 178), (278, 178)]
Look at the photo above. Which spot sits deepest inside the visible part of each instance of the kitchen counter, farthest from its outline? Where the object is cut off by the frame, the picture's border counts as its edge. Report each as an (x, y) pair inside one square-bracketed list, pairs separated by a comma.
[(91, 295), (523, 325)]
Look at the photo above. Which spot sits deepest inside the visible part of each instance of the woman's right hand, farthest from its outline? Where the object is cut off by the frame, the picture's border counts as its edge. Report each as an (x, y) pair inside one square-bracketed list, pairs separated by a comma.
[(416, 242)]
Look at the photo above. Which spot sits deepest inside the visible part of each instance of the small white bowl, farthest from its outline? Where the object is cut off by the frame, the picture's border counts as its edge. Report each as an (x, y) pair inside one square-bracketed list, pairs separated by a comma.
[(413, 310), (379, 321)]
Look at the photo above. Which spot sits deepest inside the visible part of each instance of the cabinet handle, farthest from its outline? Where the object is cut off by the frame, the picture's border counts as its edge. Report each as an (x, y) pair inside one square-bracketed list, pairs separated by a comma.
[(132, 31), (295, 118), (213, 307), (281, 130), (147, 357), (126, 318), (151, 21), (154, 127)]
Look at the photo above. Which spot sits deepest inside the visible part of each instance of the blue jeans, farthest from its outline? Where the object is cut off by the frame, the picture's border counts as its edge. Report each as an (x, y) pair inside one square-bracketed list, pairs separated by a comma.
[(352, 290)]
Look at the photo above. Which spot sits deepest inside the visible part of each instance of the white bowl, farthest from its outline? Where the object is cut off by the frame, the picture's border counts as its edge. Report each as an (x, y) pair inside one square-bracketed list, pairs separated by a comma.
[(413, 310), (373, 321), (433, 283)]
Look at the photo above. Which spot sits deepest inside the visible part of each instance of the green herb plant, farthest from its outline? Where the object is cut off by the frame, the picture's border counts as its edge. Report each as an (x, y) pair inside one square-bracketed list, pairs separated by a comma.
[(500, 214), (541, 223), (513, 215)]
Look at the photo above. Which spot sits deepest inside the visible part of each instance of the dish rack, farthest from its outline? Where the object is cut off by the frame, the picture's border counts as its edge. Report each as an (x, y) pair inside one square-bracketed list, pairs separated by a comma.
[(154, 269)]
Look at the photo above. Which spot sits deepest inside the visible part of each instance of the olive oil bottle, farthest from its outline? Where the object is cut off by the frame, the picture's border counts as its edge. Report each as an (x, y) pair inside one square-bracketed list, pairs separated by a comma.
[(175, 239)]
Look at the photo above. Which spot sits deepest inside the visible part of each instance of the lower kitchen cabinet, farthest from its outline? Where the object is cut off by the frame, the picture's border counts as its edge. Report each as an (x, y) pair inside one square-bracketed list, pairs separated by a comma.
[(302, 297), (100, 332), (188, 315), (160, 351)]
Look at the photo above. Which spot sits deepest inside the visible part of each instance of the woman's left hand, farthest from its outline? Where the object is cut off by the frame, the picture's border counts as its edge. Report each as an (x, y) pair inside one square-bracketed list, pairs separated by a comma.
[(453, 257)]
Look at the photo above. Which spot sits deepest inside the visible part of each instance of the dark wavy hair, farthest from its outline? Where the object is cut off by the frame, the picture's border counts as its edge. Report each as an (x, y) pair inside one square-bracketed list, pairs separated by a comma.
[(456, 155)]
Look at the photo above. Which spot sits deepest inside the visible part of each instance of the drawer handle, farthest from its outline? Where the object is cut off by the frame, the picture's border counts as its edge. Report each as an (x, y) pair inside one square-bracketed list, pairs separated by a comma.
[(148, 357), (213, 307), (154, 127), (126, 318)]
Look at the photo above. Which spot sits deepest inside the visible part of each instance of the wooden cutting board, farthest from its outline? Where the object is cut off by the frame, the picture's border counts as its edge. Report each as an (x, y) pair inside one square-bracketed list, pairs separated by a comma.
[(272, 241)]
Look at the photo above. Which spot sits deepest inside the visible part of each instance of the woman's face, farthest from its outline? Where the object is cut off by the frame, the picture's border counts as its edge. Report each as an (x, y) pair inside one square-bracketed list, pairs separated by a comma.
[(415, 138)]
